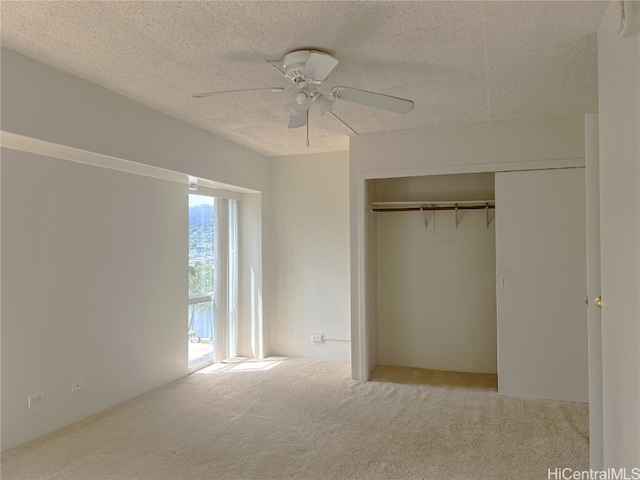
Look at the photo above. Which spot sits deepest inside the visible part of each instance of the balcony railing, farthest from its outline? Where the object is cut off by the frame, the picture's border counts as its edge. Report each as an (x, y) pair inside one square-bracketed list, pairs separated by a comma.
[(200, 331)]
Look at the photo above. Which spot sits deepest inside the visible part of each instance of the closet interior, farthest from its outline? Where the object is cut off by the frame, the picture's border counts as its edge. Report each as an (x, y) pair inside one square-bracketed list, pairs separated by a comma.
[(432, 246)]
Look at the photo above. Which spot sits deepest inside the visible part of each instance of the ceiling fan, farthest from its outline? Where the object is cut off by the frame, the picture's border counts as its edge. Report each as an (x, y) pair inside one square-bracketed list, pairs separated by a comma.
[(307, 69)]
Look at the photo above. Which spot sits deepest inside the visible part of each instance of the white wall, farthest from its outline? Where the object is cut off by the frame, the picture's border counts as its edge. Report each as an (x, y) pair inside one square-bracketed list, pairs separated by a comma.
[(619, 122), (93, 288), (481, 147), (474, 186), (549, 139), (42, 103), (310, 255), (45, 103), (253, 335)]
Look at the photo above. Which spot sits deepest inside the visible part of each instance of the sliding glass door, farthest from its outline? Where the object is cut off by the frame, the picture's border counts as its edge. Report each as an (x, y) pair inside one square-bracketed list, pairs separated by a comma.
[(202, 228), (212, 279)]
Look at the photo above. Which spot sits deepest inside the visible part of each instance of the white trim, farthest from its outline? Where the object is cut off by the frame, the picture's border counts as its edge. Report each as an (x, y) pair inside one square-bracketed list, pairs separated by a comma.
[(481, 168), (221, 281), (362, 271), (216, 192), (72, 154), (42, 147), (232, 280), (199, 366), (594, 314)]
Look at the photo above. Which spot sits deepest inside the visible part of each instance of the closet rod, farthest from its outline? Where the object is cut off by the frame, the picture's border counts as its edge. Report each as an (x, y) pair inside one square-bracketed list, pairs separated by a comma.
[(427, 208)]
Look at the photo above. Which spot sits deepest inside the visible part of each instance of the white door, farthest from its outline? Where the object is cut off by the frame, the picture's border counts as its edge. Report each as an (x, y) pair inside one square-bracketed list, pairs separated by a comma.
[(593, 291), (541, 284)]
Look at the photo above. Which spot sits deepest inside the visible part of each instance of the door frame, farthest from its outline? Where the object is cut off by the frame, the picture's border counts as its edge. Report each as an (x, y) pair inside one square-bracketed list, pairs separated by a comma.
[(360, 284), (594, 314), (224, 298)]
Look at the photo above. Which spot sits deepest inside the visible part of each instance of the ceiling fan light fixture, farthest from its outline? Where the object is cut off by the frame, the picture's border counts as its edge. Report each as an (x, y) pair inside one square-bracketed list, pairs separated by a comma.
[(301, 98)]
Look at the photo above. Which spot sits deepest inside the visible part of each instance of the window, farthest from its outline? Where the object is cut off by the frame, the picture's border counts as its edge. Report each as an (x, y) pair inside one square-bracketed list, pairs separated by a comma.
[(211, 332)]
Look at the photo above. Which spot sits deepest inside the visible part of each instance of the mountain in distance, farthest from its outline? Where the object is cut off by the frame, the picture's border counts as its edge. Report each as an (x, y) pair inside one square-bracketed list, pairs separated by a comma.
[(200, 214)]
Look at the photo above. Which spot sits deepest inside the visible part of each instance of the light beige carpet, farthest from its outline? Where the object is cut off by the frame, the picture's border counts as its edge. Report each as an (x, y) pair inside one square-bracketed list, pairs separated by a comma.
[(303, 419)]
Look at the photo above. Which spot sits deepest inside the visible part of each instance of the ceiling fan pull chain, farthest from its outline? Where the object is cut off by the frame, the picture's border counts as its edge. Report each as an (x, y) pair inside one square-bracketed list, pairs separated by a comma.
[(307, 128)]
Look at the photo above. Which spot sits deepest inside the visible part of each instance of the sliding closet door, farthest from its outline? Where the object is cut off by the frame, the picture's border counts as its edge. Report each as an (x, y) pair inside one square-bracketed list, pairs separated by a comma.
[(541, 284)]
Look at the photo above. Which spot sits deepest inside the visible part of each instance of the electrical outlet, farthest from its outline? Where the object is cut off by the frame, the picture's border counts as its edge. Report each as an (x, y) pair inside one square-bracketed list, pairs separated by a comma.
[(36, 399), (316, 337), (77, 385)]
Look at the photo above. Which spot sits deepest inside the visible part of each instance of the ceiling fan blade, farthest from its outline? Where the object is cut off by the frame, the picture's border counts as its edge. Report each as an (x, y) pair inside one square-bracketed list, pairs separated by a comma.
[(371, 99), (325, 102), (299, 119), (342, 122), (318, 66), (211, 94), (274, 65)]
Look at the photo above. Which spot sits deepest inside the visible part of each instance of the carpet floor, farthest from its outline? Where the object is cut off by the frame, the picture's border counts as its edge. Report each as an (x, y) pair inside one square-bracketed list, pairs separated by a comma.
[(302, 419)]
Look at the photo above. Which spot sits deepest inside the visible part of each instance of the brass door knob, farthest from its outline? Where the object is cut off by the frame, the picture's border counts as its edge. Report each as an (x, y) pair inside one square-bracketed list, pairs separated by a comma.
[(598, 301)]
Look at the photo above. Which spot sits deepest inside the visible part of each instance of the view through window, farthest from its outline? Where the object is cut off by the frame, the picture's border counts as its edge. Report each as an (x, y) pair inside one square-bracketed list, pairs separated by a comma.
[(213, 279), (202, 228)]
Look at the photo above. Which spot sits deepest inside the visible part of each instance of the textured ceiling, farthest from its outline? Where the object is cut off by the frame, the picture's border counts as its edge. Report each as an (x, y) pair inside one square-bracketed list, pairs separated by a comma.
[(460, 62)]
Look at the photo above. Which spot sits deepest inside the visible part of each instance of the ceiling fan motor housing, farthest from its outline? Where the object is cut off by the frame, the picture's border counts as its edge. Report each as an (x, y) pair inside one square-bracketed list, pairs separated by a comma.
[(308, 66), (294, 63)]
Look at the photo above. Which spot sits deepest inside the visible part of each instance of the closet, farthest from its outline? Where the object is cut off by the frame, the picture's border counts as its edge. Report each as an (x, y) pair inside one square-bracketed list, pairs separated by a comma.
[(484, 273)]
